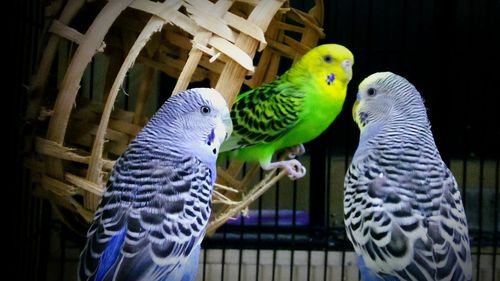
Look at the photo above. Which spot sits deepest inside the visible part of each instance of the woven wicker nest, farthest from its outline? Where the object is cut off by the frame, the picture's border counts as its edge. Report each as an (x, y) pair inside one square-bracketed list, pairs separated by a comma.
[(77, 141)]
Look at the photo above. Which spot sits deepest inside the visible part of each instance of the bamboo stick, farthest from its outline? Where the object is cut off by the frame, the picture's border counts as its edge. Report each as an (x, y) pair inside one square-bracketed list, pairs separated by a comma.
[(39, 82), (70, 34), (211, 21), (246, 27), (233, 52), (171, 67), (53, 149), (69, 88), (145, 85), (154, 25), (202, 36), (268, 181), (58, 187), (233, 74), (85, 184), (263, 67)]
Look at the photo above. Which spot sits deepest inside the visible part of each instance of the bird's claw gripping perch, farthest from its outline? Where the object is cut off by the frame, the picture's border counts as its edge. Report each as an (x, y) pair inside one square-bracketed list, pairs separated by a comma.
[(294, 168)]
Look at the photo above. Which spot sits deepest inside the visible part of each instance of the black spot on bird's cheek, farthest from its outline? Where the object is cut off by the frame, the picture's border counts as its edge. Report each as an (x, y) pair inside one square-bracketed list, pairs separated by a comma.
[(363, 118), (214, 150)]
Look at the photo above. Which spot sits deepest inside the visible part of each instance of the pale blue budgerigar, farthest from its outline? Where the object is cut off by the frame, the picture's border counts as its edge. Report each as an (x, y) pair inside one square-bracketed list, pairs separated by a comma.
[(402, 207), (155, 209)]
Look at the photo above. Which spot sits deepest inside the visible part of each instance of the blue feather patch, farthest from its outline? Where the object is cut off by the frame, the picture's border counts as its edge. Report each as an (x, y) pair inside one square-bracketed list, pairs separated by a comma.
[(110, 255), (369, 275), (211, 137), (191, 268), (330, 78)]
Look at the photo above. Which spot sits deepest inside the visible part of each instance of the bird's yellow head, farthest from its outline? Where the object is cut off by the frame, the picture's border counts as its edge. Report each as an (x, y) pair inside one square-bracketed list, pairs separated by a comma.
[(329, 62), (325, 70)]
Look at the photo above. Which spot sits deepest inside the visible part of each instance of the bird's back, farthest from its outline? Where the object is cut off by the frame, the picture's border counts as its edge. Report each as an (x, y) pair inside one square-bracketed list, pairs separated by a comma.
[(403, 210), (151, 219)]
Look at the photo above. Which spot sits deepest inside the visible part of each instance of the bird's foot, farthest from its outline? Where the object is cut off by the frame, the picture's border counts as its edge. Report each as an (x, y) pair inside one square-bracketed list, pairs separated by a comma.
[(295, 151), (293, 167)]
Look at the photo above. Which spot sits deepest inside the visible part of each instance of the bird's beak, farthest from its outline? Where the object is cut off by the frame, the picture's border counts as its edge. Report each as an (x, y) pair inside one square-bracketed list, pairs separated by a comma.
[(228, 124), (354, 110), (347, 66)]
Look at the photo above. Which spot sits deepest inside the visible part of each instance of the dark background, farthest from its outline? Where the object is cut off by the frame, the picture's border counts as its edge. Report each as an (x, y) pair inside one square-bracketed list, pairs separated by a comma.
[(447, 49)]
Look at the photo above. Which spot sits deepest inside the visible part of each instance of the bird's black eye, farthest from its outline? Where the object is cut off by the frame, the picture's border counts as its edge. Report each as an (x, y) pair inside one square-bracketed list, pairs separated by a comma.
[(327, 58), (371, 92), (205, 110)]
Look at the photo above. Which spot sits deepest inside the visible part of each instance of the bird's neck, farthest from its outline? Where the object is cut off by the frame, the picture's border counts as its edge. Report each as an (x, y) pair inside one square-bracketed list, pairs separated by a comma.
[(397, 130)]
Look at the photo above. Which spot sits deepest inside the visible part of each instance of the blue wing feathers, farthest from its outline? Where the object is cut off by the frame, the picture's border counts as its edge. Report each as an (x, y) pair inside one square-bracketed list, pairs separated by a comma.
[(191, 267), (110, 255), (142, 244), (369, 275)]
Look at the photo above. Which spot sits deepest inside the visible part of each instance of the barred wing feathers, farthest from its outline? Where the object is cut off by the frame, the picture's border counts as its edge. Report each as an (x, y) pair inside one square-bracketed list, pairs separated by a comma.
[(158, 209), (264, 114), (405, 215)]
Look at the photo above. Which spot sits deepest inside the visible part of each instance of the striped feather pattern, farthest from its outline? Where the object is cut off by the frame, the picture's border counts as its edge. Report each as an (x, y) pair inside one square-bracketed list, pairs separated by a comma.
[(162, 200), (402, 207), (266, 113), (154, 212)]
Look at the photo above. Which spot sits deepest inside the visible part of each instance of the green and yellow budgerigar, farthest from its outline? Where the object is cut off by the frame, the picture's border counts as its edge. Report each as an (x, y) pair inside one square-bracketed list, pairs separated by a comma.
[(292, 110)]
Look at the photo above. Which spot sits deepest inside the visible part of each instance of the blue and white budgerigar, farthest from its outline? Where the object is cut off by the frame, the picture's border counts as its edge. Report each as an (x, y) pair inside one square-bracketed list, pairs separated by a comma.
[(402, 208), (155, 209)]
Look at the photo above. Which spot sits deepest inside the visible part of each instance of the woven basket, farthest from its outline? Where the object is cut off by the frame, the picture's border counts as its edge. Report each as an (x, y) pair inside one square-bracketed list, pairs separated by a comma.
[(190, 40)]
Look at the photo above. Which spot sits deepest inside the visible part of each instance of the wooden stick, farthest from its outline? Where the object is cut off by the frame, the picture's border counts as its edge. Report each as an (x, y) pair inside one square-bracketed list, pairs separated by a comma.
[(267, 56), (145, 85), (226, 178), (233, 52), (85, 184), (70, 34), (71, 82), (255, 193), (225, 188), (209, 20), (202, 36), (233, 74), (39, 82), (246, 27), (58, 187), (53, 149), (154, 25)]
